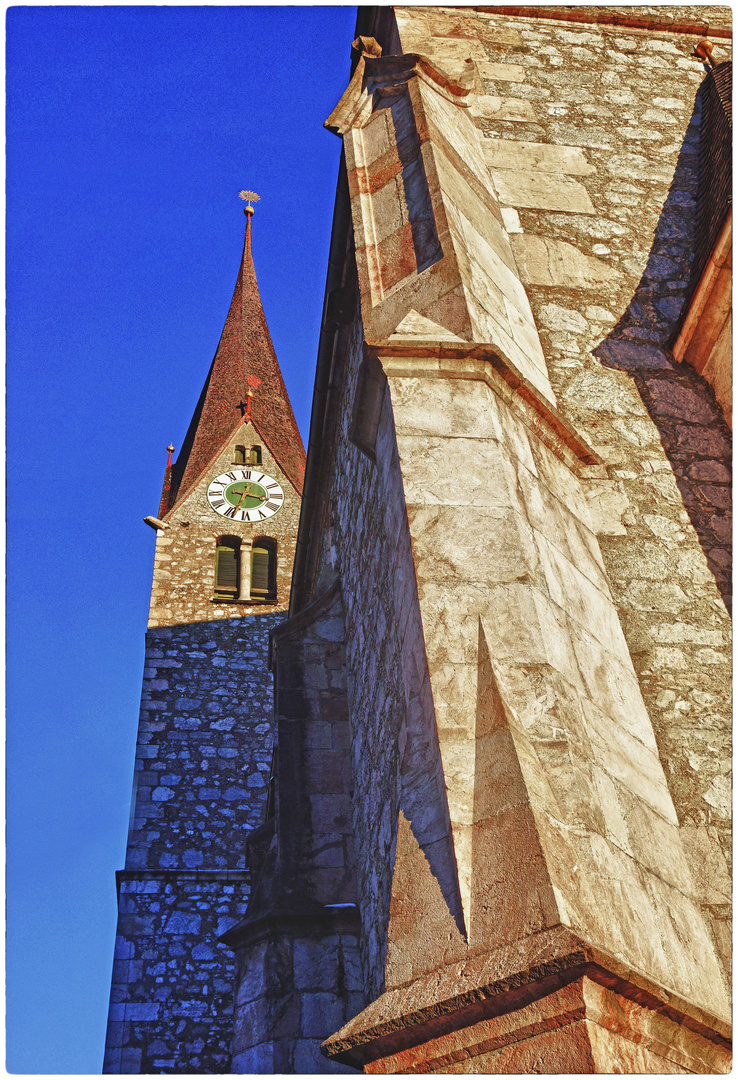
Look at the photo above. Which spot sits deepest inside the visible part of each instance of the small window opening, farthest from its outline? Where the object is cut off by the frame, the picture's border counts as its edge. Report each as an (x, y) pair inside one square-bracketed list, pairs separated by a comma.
[(227, 568), (255, 455), (239, 457), (263, 569)]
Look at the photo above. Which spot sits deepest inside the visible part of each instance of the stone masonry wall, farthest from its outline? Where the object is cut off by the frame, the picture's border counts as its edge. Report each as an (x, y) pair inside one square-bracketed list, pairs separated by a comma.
[(203, 756), (203, 761), (591, 136), (171, 1005), (184, 565)]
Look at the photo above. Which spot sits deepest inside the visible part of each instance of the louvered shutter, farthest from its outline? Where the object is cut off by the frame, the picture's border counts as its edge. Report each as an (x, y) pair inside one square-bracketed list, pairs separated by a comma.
[(260, 572), (226, 570)]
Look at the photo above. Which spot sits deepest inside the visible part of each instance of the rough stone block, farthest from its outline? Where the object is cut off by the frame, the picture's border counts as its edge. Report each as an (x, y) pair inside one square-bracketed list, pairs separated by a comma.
[(518, 187), (536, 157), (489, 107), (559, 264)]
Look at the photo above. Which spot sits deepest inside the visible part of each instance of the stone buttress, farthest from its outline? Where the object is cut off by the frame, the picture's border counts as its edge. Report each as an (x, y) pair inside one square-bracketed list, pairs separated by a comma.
[(501, 745), (204, 750)]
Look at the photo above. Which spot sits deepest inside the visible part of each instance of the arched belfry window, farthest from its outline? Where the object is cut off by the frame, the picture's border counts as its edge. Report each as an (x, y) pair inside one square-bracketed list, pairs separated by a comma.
[(227, 568), (255, 455), (264, 569), (239, 455)]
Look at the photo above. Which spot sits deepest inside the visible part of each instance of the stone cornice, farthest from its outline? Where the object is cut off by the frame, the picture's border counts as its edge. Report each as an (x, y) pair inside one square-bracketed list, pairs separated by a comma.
[(472, 360), (385, 76), (634, 19)]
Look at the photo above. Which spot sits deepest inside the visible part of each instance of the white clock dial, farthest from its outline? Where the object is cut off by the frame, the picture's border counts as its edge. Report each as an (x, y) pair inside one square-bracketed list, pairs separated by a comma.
[(245, 495)]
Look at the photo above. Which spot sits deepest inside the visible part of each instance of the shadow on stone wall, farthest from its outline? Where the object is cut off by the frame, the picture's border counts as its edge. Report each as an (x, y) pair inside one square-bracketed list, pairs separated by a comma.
[(693, 432)]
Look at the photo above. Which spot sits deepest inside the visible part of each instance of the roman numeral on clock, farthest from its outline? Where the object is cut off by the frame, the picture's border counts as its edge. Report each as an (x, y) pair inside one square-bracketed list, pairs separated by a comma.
[(231, 513), (272, 505), (217, 505)]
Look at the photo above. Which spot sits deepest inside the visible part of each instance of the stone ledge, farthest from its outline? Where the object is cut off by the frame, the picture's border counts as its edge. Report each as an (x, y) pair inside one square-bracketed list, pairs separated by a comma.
[(498, 983), (336, 919), (181, 875), (471, 360)]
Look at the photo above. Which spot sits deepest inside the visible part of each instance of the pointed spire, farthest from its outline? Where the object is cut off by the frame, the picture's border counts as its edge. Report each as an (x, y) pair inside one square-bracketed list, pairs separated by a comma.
[(244, 383)]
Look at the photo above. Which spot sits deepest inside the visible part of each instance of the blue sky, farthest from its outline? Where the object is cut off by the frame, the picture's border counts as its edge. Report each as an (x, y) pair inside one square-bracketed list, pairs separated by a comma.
[(130, 131)]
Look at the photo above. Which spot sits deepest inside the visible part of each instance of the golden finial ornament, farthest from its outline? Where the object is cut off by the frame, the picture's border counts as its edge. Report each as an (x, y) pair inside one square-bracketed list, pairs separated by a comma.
[(249, 197)]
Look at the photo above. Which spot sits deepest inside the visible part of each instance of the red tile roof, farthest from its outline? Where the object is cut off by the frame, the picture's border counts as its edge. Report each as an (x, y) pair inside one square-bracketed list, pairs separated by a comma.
[(244, 361)]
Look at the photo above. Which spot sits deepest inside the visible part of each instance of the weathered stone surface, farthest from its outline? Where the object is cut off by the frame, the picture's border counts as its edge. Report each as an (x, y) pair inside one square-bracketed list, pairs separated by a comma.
[(488, 107), (560, 657), (500, 72), (469, 270), (537, 157), (529, 188), (173, 991), (544, 261)]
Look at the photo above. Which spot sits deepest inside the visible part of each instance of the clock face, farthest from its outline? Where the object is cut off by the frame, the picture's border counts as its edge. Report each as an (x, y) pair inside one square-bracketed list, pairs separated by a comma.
[(245, 495)]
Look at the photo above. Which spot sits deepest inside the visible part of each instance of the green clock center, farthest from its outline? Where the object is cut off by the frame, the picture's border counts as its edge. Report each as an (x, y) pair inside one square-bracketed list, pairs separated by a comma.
[(245, 495)]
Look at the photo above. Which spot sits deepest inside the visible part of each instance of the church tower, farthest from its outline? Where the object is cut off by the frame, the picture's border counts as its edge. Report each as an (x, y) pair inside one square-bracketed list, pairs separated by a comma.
[(225, 544)]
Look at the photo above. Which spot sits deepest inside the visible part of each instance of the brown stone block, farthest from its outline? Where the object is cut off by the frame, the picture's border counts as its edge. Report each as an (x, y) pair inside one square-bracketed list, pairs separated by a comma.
[(602, 896), (557, 263), (450, 25), (499, 785), (627, 760), (536, 157), (396, 257), (434, 408), (482, 544), (710, 873), (388, 215), (530, 631), (500, 72), (491, 107), (517, 438), (582, 600), (647, 1030), (692, 965), (511, 887), (377, 142), (527, 188), (564, 484), (612, 685), (562, 526), (422, 932), (654, 842), (478, 473), (567, 1049), (582, 1027)]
